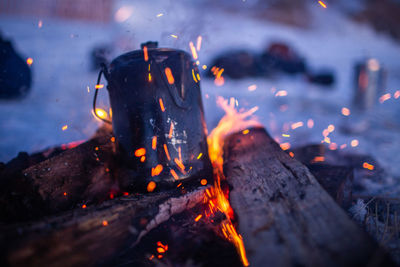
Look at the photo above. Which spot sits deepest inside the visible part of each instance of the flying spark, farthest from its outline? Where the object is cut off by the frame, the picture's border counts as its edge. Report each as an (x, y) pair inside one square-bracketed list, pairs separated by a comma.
[(322, 4), (29, 61), (252, 87), (345, 111)]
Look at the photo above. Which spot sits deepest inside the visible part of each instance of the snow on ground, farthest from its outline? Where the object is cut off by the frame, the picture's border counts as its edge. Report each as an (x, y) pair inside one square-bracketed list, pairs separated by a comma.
[(60, 96)]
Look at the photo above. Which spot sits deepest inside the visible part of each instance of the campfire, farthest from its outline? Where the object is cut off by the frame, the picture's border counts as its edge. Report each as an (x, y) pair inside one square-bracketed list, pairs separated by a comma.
[(152, 188)]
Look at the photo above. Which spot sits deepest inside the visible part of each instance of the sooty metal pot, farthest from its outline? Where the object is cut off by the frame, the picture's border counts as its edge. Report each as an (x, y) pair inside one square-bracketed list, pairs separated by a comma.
[(157, 117)]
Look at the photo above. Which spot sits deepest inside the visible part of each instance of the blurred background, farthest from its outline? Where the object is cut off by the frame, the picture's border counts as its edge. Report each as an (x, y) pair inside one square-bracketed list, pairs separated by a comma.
[(319, 71)]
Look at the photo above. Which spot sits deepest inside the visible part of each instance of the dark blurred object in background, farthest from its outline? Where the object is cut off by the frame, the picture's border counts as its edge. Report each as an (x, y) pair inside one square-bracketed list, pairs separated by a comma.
[(322, 77), (369, 79), (277, 58), (238, 64), (281, 57), (383, 15), (15, 74)]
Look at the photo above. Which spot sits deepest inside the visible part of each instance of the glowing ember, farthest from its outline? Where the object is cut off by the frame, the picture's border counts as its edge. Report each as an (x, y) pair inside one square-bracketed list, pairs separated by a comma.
[(318, 159), (246, 131), (160, 15), (146, 56), (252, 87), (99, 86), (198, 218), (83, 206), (140, 152), (384, 98), (203, 182), (310, 123), (29, 61), (151, 186), (331, 128), (65, 127), (354, 143), (200, 155), (157, 170), (297, 125), (285, 146), (166, 152), (368, 166), (322, 4), (193, 50), (199, 39), (345, 111), (180, 165), (65, 193), (154, 142), (169, 75), (281, 93), (161, 104), (161, 247), (396, 95), (171, 130), (105, 223), (71, 144), (333, 146), (174, 36), (173, 173)]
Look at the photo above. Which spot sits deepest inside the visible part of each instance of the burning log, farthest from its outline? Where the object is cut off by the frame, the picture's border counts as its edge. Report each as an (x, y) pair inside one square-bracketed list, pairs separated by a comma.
[(79, 175), (283, 214), (92, 235)]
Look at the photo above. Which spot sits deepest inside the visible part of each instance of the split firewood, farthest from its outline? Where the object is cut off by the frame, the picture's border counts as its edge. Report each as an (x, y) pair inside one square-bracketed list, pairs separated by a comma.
[(92, 235), (284, 215), (76, 176)]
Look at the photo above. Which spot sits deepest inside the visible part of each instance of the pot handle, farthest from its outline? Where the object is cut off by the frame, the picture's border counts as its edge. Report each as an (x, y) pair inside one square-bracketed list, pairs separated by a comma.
[(103, 70)]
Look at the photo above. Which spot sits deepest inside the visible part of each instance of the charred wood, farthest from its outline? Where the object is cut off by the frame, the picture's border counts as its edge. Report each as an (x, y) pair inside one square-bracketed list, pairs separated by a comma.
[(284, 215)]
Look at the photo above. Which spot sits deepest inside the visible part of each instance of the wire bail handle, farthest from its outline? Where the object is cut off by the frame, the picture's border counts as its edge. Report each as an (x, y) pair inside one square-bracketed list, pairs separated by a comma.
[(103, 70)]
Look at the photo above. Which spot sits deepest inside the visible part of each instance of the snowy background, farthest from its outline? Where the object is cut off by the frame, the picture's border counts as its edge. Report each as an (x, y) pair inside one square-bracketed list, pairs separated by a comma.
[(63, 83)]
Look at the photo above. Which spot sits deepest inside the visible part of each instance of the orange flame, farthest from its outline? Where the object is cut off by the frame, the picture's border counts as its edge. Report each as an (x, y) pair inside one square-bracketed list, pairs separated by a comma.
[(232, 122)]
